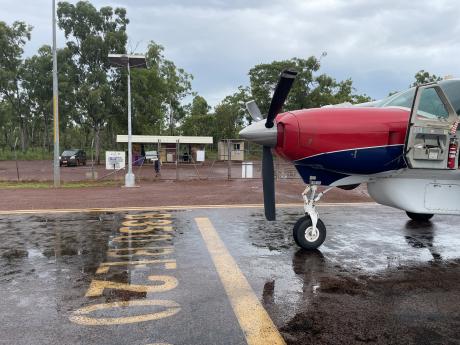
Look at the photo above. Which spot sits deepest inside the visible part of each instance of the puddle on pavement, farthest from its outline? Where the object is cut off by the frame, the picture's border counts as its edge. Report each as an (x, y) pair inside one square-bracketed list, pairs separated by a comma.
[(35, 245), (378, 278)]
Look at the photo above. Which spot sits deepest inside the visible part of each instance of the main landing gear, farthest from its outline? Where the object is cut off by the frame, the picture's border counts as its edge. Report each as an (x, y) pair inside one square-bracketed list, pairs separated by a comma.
[(309, 231), (420, 217)]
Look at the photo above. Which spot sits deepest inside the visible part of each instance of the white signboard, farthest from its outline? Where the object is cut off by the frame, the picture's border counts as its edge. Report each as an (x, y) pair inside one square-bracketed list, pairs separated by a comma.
[(114, 160), (200, 156)]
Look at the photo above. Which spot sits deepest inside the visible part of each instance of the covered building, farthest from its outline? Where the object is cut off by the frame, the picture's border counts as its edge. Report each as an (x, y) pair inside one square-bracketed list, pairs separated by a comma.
[(236, 149), (170, 148)]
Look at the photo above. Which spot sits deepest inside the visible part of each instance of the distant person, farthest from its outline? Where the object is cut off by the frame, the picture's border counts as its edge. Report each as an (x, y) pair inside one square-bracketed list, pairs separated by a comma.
[(156, 166)]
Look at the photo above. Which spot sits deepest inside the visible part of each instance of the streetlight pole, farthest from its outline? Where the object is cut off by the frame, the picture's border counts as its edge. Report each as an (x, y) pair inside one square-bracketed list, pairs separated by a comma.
[(56, 171), (129, 178), (128, 61)]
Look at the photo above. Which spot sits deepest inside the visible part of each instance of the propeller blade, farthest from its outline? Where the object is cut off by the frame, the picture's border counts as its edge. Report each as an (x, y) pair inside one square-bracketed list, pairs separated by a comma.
[(279, 96), (268, 180), (254, 110)]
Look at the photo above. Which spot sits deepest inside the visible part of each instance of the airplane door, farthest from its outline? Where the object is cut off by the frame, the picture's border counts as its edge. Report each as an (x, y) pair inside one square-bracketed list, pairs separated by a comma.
[(431, 121)]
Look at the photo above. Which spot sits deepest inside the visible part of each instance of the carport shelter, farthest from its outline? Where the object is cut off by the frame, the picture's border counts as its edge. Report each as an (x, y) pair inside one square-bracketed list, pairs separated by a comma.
[(170, 148)]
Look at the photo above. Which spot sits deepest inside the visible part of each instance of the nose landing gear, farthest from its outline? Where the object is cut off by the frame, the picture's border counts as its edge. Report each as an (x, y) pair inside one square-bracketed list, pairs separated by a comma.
[(310, 232)]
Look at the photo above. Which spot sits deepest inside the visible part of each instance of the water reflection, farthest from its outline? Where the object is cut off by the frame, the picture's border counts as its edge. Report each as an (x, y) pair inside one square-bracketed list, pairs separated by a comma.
[(420, 235)]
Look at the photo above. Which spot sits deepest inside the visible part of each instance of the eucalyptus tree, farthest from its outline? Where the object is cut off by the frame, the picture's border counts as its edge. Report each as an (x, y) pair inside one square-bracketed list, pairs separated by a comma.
[(91, 35), (12, 41)]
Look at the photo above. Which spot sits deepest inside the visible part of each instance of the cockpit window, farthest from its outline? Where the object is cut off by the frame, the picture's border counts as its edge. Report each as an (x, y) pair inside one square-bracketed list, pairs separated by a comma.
[(401, 99), (452, 89), (431, 105), (405, 99)]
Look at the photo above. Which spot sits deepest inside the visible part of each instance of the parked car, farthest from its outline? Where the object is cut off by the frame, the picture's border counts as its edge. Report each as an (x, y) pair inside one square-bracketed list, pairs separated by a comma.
[(72, 157)]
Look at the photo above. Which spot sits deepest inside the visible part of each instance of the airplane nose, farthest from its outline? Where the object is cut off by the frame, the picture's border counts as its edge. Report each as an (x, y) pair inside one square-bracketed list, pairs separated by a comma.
[(259, 134)]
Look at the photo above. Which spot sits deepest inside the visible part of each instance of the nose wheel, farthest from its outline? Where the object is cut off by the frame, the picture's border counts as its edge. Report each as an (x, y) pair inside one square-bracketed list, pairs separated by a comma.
[(310, 232), (308, 237)]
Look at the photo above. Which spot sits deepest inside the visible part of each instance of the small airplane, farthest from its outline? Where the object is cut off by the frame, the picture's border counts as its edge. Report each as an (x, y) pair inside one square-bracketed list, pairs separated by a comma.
[(405, 147)]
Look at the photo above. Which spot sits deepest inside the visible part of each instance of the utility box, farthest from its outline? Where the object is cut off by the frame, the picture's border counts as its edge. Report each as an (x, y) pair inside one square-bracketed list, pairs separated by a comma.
[(200, 155), (247, 170)]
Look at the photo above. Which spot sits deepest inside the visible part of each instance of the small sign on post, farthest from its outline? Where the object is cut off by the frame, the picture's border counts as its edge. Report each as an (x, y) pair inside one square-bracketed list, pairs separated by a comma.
[(114, 160)]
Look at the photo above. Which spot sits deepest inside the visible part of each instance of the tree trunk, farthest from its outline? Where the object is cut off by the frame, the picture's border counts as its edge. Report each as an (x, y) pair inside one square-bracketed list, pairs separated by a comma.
[(23, 133)]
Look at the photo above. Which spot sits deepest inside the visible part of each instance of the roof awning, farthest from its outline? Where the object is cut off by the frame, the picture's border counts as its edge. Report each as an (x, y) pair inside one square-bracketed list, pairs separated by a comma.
[(163, 139)]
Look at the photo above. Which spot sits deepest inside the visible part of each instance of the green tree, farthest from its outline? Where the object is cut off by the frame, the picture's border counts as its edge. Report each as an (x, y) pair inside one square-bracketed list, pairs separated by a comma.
[(230, 114), (91, 35), (424, 77), (12, 41), (199, 106), (310, 90), (198, 121)]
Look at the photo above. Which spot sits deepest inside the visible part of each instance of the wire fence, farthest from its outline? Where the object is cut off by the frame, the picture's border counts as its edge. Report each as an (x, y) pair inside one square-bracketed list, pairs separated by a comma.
[(245, 163)]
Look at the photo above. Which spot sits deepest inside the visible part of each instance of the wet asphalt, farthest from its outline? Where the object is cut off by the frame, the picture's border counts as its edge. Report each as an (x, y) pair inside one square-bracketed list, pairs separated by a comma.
[(378, 278)]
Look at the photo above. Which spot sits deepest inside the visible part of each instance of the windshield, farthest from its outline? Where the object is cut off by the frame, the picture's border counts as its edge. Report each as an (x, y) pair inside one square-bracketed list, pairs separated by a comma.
[(69, 153), (400, 99), (430, 106), (452, 90)]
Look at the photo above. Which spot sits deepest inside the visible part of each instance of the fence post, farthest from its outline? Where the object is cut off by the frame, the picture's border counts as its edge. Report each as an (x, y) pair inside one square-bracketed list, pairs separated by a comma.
[(177, 160), (229, 158)]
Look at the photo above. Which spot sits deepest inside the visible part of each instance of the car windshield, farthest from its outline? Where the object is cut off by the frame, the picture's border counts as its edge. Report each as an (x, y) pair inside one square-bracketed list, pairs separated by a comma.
[(69, 153)]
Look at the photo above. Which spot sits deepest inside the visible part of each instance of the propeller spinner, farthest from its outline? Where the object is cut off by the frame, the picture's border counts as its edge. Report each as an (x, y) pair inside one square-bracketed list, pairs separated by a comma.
[(266, 134)]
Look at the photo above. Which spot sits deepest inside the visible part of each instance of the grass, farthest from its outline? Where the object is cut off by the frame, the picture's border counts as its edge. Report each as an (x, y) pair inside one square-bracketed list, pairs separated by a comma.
[(49, 184), (30, 154)]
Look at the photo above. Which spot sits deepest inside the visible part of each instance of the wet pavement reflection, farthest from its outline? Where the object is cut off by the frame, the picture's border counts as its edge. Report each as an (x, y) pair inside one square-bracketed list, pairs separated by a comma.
[(378, 278)]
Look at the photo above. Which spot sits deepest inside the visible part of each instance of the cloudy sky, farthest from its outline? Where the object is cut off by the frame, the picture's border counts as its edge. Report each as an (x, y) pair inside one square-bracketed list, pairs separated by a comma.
[(380, 44)]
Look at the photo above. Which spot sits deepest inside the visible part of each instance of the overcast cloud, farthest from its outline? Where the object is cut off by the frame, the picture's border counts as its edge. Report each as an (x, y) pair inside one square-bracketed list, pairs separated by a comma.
[(380, 44)]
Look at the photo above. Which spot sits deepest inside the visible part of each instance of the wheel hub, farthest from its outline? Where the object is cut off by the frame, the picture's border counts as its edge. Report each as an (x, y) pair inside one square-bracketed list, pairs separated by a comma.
[(311, 235)]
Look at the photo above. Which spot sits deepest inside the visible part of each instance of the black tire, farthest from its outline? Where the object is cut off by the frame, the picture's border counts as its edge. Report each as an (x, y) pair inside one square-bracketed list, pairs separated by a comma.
[(84, 163), (420, 217), (299, 233)]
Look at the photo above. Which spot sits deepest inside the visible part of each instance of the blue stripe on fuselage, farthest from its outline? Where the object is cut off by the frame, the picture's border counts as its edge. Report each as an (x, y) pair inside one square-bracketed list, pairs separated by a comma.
[(330, 167)]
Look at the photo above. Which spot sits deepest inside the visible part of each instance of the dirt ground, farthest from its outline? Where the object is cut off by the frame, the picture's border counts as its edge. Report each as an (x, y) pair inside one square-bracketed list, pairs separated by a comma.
[(409, 305), (201, 184), (166, 193)]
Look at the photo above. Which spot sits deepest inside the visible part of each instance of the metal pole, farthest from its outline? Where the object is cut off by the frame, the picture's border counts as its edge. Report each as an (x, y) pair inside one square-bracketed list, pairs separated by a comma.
[(56, 171), (92, 158), (229, 157), (16, 157), (177, 159), (129, 178)]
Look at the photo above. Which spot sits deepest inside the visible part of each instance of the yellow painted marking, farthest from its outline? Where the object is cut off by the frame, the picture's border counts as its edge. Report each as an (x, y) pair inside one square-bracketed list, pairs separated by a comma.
[(137, 223), (147, 229), (148, 216), (148, 238), (79, 316), (174, 208), (130, 249), (167, 283), (169, 263), (255, 322), (102, 269), (114, 253)]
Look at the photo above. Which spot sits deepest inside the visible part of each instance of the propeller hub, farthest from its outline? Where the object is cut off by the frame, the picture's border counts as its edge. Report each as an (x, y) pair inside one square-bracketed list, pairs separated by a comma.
[(258, 133)]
